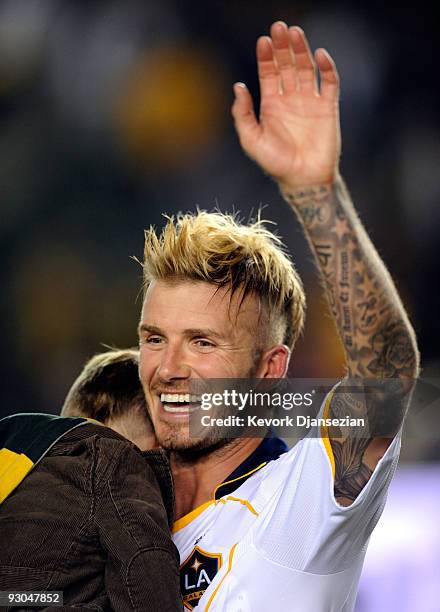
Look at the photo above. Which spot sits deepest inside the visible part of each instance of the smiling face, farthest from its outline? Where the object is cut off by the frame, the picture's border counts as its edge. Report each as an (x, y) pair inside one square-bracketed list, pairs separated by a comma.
[(191, 330)]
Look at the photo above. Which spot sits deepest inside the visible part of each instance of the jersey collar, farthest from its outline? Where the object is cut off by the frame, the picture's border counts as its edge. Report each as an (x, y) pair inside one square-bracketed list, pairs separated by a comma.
[(268, 450)]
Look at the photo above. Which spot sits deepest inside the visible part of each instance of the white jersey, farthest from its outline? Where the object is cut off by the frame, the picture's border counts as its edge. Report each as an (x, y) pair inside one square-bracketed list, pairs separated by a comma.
[(280, 541)]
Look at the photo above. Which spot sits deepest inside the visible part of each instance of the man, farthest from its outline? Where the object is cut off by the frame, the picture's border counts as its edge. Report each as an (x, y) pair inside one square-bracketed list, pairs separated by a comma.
[(84, 511), (258, 527)]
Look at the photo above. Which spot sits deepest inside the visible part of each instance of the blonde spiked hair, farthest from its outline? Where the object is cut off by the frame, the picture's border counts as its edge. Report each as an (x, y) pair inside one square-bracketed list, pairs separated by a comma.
[(218, 249)]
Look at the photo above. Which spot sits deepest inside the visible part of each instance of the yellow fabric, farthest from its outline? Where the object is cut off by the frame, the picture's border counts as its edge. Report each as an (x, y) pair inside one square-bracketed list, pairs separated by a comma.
[(187, 518), (324, 434), (244, 502), (238, 477), (231, 556), (13, 468)]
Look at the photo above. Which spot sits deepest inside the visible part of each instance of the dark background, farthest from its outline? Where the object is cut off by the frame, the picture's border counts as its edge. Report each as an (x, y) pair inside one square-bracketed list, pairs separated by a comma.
[(115, 112)]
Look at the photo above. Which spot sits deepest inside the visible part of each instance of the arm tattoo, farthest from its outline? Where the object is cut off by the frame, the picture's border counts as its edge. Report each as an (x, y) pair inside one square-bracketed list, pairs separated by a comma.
[(378, 339), (351, 476)]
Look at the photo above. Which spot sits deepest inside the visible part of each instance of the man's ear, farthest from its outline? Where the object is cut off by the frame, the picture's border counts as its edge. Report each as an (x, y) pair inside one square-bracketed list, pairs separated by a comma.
[(274, 362)]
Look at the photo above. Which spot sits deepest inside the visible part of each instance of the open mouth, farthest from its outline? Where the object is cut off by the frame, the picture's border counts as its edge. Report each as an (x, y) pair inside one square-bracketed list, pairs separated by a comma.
[(180, 403)]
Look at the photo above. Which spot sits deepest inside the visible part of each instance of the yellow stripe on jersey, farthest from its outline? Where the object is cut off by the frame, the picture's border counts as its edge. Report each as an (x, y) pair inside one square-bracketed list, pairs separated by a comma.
[(13, 468), (231, 555), (222, 484), (324, 433), (244, 502), (187, 518)]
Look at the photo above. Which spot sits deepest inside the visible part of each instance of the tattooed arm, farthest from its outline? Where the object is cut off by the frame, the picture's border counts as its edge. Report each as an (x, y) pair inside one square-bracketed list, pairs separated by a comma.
[(378, 339), (297, 141)]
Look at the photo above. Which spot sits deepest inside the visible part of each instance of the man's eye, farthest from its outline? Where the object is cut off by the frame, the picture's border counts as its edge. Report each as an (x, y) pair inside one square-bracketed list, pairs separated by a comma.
[(204, 343), (153, 340)]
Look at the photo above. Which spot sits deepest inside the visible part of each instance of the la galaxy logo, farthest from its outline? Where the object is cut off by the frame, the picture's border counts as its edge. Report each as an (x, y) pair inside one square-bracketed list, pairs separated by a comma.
[(196, 574)]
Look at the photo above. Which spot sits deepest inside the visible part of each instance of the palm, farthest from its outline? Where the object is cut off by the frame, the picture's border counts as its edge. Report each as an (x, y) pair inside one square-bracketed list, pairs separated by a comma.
[(297, 137), (296, 141)]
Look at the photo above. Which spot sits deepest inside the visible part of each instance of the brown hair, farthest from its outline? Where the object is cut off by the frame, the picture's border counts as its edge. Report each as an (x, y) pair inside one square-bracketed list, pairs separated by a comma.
[(217, 248), (108, 387)]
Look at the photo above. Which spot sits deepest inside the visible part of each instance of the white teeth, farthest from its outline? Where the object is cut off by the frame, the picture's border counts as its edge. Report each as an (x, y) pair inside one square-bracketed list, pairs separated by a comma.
[(174, 398), (180, 410)]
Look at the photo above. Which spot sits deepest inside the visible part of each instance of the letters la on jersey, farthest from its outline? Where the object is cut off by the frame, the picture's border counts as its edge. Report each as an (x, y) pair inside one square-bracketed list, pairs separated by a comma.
[(196, 574), (206, 539)]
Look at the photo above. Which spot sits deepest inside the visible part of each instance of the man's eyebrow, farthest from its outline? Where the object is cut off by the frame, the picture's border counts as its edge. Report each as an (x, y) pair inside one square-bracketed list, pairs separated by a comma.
[(196, 331), (206, 331), (149, 328)]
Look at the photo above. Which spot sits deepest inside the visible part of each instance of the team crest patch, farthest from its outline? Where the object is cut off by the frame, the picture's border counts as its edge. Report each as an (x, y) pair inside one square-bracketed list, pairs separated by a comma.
[(196, 574)]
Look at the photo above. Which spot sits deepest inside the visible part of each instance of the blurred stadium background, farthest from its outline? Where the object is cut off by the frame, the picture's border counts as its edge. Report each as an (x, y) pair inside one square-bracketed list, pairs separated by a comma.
[(113, 112)]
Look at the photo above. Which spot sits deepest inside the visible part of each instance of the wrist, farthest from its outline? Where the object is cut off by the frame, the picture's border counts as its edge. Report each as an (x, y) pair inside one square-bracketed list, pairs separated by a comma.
[(296, 193)]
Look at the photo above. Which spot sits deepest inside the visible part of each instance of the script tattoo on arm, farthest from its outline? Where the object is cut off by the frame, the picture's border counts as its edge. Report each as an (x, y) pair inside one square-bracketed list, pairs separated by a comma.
[(379, 342)]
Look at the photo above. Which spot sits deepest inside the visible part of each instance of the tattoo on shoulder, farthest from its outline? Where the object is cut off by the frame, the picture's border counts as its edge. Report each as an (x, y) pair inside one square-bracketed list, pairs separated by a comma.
[(351, 474), (380, 406)]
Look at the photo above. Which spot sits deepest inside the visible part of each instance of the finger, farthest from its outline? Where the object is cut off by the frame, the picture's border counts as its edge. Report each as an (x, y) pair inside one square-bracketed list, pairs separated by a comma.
[(284, 57), (305, 66), (329, 75), (267, 69), (244, 115)]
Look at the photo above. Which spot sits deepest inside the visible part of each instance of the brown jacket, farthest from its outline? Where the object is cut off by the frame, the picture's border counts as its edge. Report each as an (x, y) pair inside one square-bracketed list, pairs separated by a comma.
[(92, 520)]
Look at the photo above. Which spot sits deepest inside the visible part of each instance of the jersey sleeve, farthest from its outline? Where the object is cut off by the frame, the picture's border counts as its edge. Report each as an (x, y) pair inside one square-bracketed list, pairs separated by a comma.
[(306, 529)]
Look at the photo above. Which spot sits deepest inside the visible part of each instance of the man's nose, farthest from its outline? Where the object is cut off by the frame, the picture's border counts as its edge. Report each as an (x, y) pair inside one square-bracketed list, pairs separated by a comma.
[(173, 364)]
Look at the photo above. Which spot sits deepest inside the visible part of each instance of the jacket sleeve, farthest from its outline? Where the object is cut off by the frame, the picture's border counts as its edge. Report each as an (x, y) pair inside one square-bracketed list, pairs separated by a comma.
[(142, 562)]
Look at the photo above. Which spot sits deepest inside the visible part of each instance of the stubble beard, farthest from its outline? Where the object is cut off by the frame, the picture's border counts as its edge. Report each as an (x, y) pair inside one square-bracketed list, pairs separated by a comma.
[(186, 449)]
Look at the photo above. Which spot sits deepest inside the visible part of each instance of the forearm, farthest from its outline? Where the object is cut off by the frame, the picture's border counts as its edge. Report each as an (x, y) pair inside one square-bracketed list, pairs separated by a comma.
[(378, 339)]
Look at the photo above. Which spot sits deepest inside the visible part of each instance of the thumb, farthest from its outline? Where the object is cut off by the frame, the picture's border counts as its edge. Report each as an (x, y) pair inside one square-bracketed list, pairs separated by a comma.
[(243, 113)]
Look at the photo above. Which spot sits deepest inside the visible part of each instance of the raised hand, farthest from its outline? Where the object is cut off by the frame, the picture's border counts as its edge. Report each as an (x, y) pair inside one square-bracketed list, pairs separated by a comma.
[(297, 137)]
